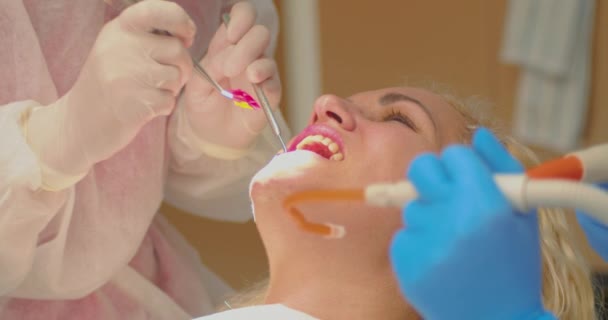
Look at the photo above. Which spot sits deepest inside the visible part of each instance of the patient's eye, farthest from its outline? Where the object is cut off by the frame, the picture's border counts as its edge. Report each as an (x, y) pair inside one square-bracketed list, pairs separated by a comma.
[(396, 115)]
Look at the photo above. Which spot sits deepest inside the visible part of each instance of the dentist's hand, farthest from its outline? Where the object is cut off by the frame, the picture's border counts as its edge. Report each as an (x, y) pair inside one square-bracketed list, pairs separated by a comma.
[(465, 253), (596, 231), (236, 58), (130, 77)]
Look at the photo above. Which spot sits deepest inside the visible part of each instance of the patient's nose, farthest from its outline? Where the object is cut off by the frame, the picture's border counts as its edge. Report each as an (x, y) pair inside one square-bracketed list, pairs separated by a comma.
[(330, 108)]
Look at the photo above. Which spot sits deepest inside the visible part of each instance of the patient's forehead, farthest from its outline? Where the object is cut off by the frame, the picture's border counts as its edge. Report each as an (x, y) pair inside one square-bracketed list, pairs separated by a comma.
[(449, 121)]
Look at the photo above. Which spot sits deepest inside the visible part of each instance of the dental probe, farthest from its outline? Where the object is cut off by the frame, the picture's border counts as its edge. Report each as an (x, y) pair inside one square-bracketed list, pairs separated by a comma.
[(120, 6), (272, 121), (270, 117), (214, 83)]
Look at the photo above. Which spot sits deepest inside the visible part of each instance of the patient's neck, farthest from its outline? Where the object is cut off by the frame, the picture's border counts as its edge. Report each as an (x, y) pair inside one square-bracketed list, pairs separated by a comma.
[(330, 291)]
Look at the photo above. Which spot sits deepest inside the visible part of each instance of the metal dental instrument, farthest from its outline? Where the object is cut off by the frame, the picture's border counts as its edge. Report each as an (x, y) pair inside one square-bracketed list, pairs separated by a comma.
[(121, 5), (272, 121), (201, 71), (269, 115)]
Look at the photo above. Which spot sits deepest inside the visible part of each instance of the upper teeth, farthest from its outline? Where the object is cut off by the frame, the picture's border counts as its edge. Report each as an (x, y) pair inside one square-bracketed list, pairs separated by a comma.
[(331, 145)]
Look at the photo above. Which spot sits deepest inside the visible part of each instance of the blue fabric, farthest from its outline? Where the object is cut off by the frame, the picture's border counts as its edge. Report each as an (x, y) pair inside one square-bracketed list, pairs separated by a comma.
[(464, 252), (596, 231)]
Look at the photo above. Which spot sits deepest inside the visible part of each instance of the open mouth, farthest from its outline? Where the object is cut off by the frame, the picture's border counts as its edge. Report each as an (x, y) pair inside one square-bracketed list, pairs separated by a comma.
[(321, 140)]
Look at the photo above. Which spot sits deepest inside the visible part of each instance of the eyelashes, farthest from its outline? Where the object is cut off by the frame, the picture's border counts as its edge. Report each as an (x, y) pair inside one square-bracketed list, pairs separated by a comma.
[(396, 115)]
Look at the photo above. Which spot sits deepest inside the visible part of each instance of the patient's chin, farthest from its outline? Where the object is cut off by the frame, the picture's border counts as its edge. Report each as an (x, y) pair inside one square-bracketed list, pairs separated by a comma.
[(283, 174)]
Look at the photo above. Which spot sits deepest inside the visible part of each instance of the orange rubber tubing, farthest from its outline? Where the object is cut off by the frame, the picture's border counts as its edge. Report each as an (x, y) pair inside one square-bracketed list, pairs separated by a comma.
[(568, 167), (315, 196)]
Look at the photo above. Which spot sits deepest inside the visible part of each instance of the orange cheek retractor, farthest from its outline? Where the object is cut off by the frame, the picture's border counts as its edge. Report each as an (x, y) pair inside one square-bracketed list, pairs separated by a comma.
[(561, 182)]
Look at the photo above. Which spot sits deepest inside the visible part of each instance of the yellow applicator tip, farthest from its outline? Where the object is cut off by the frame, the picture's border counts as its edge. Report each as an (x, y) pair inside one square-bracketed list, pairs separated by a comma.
[(243, 105)]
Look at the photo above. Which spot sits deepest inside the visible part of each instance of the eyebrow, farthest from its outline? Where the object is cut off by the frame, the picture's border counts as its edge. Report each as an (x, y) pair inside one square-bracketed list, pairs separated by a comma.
[(393, 97)]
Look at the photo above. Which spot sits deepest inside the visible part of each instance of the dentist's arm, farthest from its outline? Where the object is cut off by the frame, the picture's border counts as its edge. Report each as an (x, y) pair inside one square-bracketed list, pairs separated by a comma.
[(60, 242)]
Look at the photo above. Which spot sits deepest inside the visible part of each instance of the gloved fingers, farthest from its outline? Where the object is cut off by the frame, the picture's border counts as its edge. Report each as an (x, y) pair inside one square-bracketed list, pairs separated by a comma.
[(170, 51), (428, 175), (494, 154), (147, 16), (248, 49), (164, 77), (261, 70), (411, 255), (242, 19), (160, 102), (463, 165), (416, 217), (219, 41), (214, 63), (265, 73), (400, 251), (152, 103)]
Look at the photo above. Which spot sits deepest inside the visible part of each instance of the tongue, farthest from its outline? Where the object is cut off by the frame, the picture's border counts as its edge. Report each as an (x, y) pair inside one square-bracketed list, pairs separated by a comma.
[(319, 148)]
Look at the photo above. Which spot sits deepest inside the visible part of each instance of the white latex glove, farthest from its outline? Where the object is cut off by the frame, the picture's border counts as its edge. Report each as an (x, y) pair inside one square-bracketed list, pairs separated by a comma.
[(130, 77), (236, 58)]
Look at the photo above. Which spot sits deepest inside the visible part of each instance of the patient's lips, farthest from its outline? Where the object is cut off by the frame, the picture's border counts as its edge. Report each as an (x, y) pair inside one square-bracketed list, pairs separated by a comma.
[(320, 139)]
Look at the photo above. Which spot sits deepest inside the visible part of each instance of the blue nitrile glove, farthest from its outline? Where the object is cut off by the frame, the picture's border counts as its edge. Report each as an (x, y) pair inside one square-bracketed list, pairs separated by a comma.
[(464, 252), (596, 231)]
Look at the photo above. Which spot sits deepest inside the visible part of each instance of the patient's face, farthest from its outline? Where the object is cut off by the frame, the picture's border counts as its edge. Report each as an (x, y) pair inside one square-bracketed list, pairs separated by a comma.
[(351, 142)]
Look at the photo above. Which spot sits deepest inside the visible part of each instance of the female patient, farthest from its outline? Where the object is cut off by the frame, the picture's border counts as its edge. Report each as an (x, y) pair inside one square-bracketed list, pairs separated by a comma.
[(372, 137)]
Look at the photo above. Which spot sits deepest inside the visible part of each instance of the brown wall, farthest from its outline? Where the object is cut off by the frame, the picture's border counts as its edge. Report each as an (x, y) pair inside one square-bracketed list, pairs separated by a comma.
[(365, 45)]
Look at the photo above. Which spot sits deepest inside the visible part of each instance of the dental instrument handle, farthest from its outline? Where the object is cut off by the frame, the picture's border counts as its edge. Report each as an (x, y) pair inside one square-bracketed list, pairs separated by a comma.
[(200, 70), (399, 194), (272, 121), (563, 193), (594, 162), (523, 193)]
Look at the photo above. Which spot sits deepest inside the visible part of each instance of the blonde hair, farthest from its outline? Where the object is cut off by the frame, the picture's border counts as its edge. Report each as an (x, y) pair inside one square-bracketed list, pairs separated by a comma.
[(567, 288), (566, 278)]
